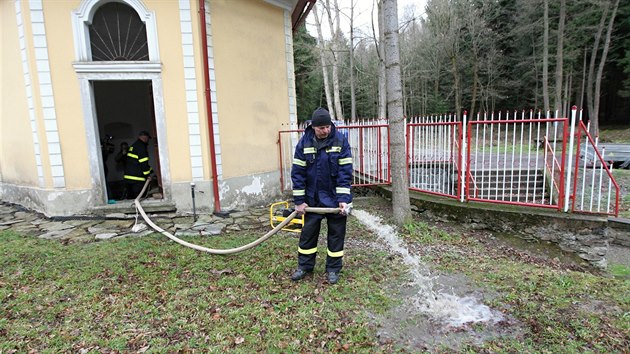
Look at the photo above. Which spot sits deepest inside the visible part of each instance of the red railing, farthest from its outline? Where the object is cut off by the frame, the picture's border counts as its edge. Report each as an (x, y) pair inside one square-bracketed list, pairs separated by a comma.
[(593, 178), (433, 156), (370, 153), (556, 173), (517, 158), (505, 162)]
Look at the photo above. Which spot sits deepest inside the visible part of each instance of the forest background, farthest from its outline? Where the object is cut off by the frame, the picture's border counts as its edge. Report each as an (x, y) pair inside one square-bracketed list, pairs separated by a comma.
[(469, 55)]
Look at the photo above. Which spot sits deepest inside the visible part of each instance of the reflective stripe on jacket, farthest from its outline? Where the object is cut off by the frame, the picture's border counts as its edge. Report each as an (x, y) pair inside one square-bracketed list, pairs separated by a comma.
[(322, 176), (137, 166)]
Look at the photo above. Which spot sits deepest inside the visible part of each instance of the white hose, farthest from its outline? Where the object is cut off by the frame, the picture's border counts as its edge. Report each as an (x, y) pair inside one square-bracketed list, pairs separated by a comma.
[(230, 250)]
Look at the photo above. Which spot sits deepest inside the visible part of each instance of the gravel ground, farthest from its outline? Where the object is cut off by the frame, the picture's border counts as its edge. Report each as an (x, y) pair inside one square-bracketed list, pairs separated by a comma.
[(618, 255)]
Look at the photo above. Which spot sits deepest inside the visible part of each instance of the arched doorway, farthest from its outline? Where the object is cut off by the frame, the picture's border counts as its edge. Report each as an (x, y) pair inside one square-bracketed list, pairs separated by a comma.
[(120, 75)]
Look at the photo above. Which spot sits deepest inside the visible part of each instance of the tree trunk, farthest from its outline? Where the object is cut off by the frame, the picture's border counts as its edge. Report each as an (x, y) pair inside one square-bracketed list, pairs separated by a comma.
[(559, 60), (600, 70), (456, 88), (400, 184), (455, 34), (336, 32), (353, 99), (475, 83), (382, 72), (322, 57), (545, 66), (590, 94), (581, 106)]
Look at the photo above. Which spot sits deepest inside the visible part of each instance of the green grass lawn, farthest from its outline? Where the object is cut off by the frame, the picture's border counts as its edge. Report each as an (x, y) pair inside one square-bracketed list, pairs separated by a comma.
[(615, 134), (623, 180), (151, 295)]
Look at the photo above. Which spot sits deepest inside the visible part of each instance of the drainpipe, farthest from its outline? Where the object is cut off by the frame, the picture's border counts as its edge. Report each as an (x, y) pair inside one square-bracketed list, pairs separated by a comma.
[(206, 80)]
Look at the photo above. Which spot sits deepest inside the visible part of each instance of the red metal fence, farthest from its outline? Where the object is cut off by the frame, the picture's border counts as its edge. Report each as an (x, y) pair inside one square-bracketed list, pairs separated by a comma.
[(519, 158), (595, 191), (434, 153), (516, 159), (369, 142)]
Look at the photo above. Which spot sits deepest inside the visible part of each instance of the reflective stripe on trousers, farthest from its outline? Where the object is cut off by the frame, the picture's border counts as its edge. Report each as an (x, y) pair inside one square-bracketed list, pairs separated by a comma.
[(307, 251)]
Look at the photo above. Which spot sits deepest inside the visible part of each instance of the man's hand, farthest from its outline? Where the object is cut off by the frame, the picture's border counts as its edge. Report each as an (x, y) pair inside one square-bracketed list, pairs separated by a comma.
[(301, 208), (343, 208)]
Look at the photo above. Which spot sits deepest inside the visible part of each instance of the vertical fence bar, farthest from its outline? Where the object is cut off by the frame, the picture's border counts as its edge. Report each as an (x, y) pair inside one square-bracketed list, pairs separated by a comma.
[(569, 169), (609, 190), (409, 152), (512, 168), (442, 151), (281, 162), (538, 141), (520, 156), (601, 171), (361, 154), (500, 152), (505, 164), (530, 127), (455, 158), (583, 168), (561, 188), (470, 175), (379, 152), (483, 152), (465, 160), (590, 207), (389, 156)]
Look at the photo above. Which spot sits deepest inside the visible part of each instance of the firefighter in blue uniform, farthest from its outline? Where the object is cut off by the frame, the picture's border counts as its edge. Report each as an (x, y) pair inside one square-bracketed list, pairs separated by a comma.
[(321, 176), (137, 168)]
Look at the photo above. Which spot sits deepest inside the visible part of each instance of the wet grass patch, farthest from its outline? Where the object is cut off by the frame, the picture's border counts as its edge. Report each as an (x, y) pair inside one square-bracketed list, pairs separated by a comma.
[(559, 308)]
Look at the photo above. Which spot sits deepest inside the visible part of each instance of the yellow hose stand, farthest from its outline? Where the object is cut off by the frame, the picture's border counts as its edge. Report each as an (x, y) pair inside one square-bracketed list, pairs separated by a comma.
[(295, 225)]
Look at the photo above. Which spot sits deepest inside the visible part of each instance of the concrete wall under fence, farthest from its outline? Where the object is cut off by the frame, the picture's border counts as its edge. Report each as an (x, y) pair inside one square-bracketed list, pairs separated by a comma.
[(586, 236)]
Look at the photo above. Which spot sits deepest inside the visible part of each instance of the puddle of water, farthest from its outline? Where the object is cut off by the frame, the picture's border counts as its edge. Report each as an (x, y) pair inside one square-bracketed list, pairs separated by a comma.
[(452, 310)]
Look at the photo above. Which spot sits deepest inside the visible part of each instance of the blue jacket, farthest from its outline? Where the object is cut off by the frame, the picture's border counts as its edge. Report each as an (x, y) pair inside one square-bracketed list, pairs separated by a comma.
[(322, 176)]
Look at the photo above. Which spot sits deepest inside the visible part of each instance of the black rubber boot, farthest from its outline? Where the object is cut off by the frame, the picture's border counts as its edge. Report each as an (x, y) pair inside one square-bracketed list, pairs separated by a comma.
[(300, 274)]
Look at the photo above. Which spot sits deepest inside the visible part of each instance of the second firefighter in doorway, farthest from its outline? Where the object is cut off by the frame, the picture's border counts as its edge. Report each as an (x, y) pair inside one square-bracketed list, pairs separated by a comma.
[(137, 168), (321, 176)]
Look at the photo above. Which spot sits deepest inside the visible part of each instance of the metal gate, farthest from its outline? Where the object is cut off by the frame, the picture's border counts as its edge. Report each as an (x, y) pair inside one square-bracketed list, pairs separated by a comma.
[(518, 158), (369, 143)]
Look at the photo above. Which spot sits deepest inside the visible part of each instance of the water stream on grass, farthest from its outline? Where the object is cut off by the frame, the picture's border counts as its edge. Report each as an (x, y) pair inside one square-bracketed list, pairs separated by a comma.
[(450, 309)]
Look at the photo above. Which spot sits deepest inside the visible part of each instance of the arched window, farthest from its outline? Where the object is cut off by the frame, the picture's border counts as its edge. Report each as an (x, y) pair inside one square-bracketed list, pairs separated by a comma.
[(118, 34)]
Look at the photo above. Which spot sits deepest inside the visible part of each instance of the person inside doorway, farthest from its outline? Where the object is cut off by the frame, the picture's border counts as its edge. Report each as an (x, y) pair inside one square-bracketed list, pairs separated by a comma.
[(137, 168)]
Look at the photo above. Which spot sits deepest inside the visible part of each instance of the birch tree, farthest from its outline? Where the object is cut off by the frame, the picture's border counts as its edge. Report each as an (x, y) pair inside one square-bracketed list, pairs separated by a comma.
[(400, 184), (382, 73), (594, 80), (335, 30), (322, 58), (545, 56), (559, 59), (353, 98)]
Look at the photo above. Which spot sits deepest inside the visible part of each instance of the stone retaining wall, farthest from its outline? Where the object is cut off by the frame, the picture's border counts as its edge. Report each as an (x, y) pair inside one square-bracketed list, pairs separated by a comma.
[(586, 236)]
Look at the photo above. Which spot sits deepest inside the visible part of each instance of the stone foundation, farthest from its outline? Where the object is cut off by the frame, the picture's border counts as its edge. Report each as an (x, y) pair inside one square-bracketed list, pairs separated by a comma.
[(586, 236)]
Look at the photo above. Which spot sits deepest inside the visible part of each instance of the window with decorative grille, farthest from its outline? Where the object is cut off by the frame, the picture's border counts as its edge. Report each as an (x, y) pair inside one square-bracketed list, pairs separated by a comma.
[(118, 34)]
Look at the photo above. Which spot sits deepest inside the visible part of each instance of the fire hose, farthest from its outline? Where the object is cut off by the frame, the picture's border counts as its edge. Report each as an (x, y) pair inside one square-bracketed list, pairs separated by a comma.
[(229, 250)]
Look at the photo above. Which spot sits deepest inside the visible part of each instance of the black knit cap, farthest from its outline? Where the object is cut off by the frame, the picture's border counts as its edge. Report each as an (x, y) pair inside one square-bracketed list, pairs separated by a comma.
[(320, 117), (145, 133)]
